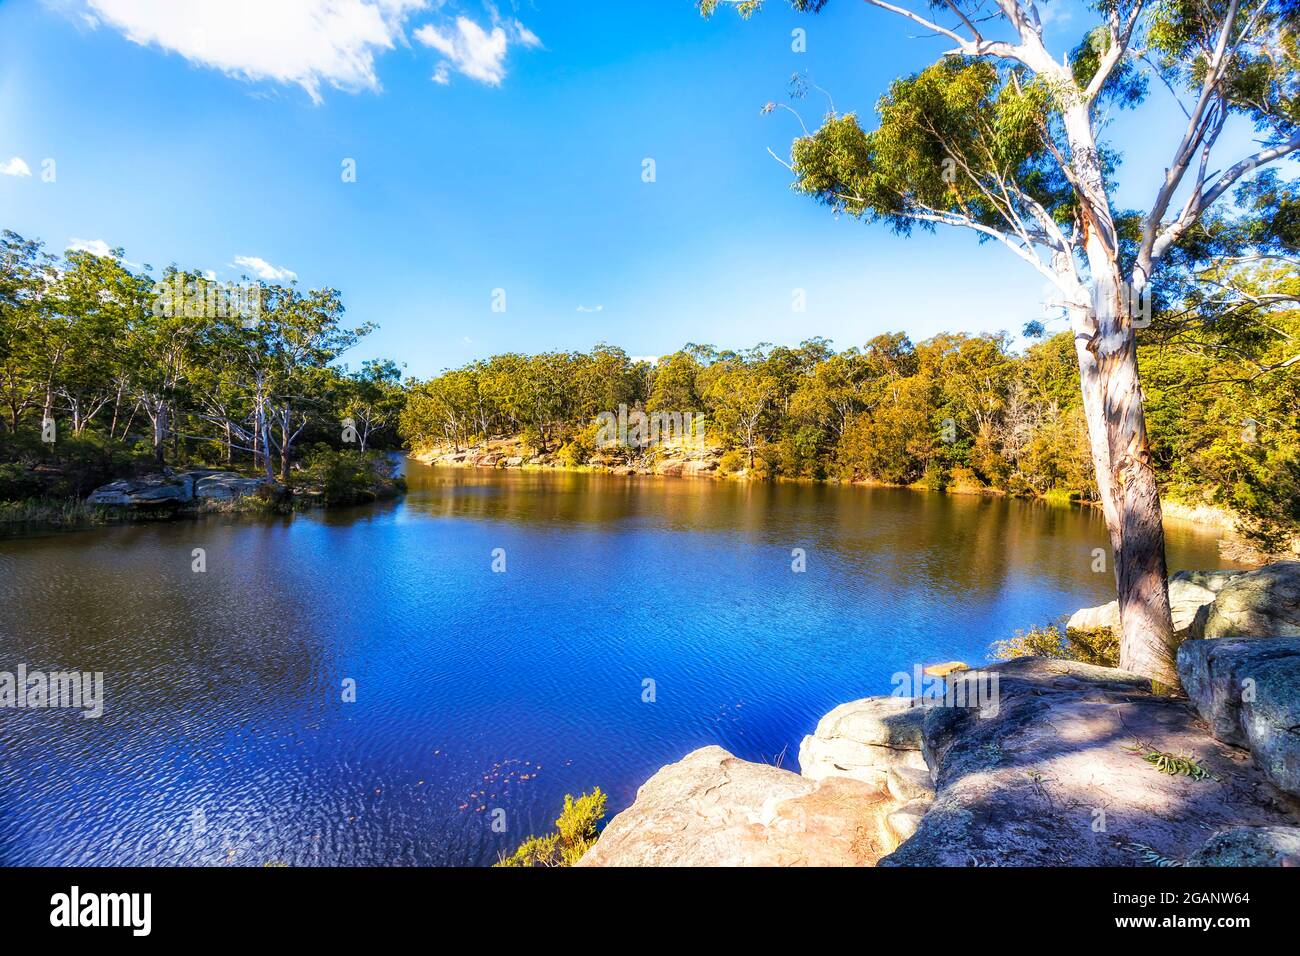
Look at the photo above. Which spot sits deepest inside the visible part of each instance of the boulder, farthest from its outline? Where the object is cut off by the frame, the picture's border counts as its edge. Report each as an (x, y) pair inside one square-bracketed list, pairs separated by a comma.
[(712, 809), (1271, 719), (1057, 775), (1210, 580), (863, 739), (1248, 691), (1186, 598), (228, 485), (1213, 672), (1250, 846), (1260, 603), (1093, 618), (151, 491)]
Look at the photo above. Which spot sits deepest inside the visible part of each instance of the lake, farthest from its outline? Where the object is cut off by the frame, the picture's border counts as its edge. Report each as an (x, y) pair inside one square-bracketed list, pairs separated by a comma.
[(226, 740)]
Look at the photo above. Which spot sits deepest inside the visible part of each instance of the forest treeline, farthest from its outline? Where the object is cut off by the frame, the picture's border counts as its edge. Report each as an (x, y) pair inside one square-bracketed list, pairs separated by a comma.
[(1223, 401), (106, 370)]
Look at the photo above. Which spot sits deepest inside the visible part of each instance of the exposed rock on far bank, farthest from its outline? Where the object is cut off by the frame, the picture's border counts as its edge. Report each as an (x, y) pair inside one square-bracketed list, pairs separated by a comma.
[(171, 490)]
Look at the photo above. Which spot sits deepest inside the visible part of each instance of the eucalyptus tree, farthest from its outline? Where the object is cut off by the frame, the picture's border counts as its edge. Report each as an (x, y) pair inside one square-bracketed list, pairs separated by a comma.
[(372, 397), (26, 271), (299, 336), (1004, 137)]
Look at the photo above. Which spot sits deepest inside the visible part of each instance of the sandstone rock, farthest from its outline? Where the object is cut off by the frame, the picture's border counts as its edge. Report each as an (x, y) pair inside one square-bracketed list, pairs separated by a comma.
[(227, 485), (1250, 846), (905, 821), (1210, 580), (946, 668), (1248, 692), (1212, 674), (1092, 618), (863, 739), (151, 491), (1025, 786), (713, 809), (1186, 598), (1271, 718), (1260, 603), (908, 783)]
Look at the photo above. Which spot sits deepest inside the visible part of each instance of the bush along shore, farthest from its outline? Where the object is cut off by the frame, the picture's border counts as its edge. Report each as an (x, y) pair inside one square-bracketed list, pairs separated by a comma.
[(1049, 757), (325, 478)]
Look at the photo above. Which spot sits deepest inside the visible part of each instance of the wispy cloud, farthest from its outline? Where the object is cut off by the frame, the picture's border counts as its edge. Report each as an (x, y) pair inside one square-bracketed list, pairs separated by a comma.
[(264, 270), (15, 167), (474, 51), (305, 42)]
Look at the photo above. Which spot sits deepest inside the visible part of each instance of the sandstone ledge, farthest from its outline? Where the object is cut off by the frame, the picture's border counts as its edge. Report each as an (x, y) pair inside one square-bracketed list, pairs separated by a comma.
[(1055, 776)]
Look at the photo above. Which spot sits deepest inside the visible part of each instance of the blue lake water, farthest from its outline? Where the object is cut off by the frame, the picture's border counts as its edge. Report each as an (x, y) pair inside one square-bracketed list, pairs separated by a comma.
[(225, 739)]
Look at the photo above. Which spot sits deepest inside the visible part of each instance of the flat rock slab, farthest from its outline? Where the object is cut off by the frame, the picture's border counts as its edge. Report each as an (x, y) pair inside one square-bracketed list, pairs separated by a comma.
[(152, 491), (1052, 777), (712, 809)]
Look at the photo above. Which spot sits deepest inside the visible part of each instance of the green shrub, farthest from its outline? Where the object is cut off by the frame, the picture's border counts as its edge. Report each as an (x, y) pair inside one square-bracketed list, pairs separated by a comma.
[(580, 448), (1099, 646), (575, 832), (349, 477), (936, 476), (732, 462)]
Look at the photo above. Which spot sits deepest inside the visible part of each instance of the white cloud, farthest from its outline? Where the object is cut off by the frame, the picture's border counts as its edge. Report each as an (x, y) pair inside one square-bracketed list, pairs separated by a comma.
[(526, 36), (15, 167), (591, 308), (98, 246), (473, 51), (264, 270), (307, 42)]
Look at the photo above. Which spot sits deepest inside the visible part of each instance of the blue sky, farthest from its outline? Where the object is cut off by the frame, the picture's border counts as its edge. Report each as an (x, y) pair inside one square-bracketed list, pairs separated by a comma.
[(496, 147)]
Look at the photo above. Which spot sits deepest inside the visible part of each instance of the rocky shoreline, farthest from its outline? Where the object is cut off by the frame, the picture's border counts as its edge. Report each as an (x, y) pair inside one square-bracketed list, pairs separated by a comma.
[(171, 494), (1069, 764)]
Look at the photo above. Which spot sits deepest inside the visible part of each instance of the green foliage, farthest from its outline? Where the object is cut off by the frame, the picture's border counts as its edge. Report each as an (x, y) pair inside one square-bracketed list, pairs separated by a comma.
[(581, 447), (349, 477), (1100, 646), (135, 373), (1176, 765), (575, 831)]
